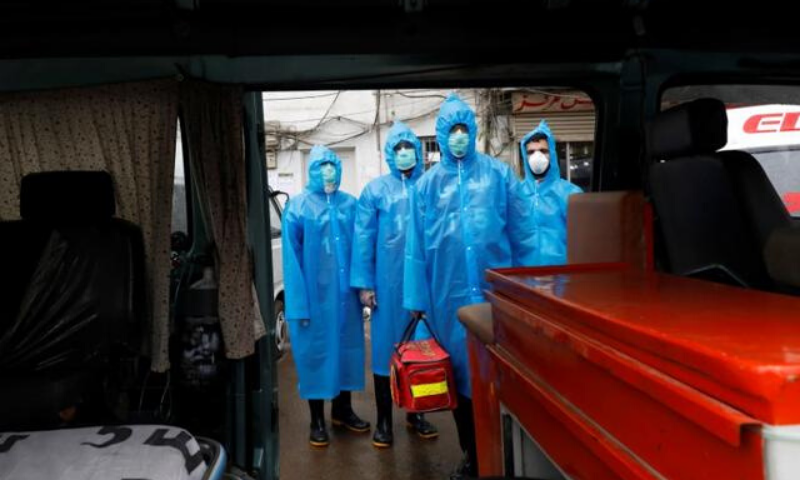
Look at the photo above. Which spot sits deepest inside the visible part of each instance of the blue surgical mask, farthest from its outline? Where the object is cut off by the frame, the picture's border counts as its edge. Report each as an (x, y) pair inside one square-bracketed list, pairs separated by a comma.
[(458, 144), (328, 174), (405, 158)]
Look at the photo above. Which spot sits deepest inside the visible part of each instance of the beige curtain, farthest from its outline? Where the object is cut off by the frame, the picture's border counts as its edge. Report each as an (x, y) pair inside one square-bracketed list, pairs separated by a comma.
[(212, 117), (127, 130)]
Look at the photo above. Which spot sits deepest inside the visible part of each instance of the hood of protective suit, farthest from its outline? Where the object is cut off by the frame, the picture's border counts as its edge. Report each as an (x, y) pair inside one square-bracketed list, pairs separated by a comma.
[(553, 173), (453, 112), (397, 134), (320, 155)]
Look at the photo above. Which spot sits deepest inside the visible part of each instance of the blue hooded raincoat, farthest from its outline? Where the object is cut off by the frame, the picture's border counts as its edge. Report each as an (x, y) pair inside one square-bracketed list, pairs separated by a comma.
[(379, 245), (549, 204), (467, 215), (323, 312)]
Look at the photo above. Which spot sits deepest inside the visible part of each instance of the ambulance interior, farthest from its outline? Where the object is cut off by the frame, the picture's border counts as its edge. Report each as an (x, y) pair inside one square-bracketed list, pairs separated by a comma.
[(696, 175)]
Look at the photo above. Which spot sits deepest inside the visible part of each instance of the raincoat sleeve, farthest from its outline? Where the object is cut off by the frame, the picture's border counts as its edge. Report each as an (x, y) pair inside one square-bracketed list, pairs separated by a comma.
[(521, 223), (362, 265), (294, 279), (415, 280)]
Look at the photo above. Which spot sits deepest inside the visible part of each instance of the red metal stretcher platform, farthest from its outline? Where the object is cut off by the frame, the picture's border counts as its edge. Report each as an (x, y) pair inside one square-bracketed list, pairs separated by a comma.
[(606, 371)]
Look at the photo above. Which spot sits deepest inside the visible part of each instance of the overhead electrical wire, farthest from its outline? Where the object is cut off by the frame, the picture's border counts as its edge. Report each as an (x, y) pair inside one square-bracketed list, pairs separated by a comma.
[(345, 115), (307, 97), (297, 136)]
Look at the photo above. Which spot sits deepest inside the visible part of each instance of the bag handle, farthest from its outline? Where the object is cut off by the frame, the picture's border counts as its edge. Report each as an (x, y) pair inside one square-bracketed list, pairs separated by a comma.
[(412, 327)]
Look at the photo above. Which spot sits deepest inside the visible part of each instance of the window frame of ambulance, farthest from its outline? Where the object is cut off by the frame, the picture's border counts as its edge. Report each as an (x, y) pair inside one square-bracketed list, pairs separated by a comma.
[(761, 127)]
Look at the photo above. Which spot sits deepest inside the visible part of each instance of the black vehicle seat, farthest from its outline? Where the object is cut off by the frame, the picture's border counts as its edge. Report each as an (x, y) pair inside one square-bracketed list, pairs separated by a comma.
[(22, 245), (761, 205), (79, 297), (704, 230), (782, 254)]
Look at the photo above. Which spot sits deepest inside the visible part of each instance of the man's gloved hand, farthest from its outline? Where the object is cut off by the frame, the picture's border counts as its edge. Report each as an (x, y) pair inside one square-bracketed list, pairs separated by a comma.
[(367, 298)]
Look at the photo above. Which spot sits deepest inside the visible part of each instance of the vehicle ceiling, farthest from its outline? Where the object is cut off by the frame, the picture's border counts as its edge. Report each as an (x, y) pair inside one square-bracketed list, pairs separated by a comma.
[(366, 43)]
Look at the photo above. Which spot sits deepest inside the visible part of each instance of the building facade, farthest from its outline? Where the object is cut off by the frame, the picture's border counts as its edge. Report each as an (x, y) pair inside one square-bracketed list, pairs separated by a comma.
[(355, 124)]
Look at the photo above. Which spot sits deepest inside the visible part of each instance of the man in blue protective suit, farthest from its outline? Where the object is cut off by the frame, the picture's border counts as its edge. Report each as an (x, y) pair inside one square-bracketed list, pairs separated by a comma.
[(550, 194), (377, 270), (323, 312), (468, 213)]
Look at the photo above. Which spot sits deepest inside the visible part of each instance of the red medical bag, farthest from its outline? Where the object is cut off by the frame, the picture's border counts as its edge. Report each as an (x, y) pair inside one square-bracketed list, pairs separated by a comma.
[(422, 374)]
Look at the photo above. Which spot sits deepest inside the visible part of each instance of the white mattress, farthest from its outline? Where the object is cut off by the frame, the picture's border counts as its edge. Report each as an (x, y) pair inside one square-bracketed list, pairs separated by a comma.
[(151, 452)]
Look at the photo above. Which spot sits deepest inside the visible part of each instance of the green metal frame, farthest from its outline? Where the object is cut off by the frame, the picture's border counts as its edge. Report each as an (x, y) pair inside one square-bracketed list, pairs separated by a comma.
[(261, 424)]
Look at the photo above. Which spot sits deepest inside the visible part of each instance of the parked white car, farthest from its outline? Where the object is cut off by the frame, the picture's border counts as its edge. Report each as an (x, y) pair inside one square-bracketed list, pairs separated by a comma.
[(281, 328)]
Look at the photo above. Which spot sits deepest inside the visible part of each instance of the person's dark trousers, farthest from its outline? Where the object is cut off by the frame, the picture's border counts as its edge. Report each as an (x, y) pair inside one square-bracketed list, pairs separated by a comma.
[(415, 422), (342, 414), (383, 437), (465, 424), (319, 434)]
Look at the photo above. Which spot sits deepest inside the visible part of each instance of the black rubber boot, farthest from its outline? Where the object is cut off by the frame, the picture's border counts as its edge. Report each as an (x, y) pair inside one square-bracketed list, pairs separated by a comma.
[(424, 429), (342, 414), (466, 438), (383, 437), (465, 470), (319, 434)]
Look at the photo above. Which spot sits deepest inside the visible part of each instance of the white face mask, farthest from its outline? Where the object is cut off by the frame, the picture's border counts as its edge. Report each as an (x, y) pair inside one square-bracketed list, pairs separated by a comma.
[(538, 162), (330, 188)]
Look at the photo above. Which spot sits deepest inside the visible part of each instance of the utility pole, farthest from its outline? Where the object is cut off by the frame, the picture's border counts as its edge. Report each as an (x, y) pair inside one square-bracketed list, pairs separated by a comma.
[(488, 109), (378, 129)]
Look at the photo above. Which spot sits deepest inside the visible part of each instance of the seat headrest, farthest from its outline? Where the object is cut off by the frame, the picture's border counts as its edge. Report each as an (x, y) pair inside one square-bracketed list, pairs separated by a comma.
[(697, 127), (67, 198)]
